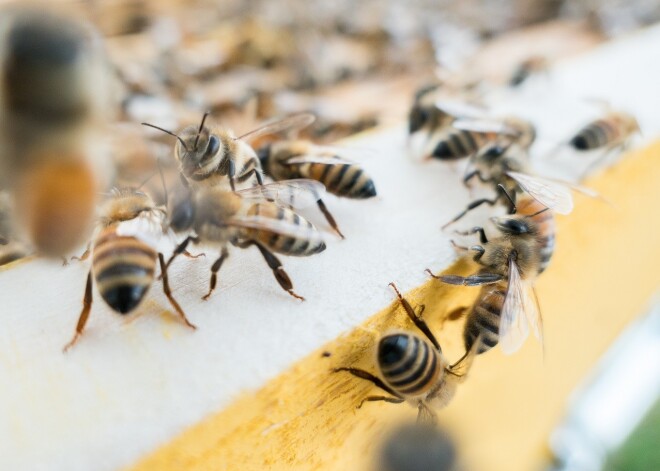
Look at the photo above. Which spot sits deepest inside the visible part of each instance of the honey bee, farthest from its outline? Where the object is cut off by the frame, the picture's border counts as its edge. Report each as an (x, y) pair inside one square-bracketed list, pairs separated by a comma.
[(613, 130), (413, 368), (505, 166), (54, 97), (470, 129), (124, 254), (527, 68), (208, 157), (507, 303), (283, 160), (424, 114), (252, 216)]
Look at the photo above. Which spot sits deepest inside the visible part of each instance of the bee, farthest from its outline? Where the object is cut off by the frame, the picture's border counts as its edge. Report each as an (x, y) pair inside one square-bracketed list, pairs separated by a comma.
[(252, 216), (527, 68), (418, 447), (210, 157), (285, 160), (424, 114), (470, 129), (54, 97), (124, 254), (505, 166), (613, 130), (511, 262), (413, 368)]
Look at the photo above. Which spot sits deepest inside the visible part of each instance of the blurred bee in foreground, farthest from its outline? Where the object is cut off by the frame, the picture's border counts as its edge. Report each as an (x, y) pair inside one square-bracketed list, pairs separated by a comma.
[(210, 157), (417, 447), (285, 160), (54, 97), (511, 262), (505, 166), (413, 369), (124, 254), (253, 216), (527, 68)]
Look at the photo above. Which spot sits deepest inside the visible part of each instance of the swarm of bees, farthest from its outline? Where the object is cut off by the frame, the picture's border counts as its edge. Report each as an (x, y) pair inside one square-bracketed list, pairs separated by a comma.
[(210, 188), (413, 369)]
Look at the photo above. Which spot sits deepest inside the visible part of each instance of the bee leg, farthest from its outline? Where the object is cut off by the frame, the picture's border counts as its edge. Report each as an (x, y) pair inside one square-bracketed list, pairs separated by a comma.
[(180, 249), (459, 247), (472, 280), (168, 292), (84, 314), (280, 275), (214, 272), (189, 255), (393, 400), (417, 319), (369, 377), (83, 256), (475, 230), (480, 252), (475, 173), (329, 218), (470, 207)]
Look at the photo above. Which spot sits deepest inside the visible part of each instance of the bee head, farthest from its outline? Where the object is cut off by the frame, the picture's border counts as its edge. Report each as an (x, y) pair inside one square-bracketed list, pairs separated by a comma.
[(417, 118), (264, 153)]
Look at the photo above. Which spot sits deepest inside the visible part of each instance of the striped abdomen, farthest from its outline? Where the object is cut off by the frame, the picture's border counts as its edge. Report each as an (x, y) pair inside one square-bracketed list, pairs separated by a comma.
[(599, 133), (123, 269), (284, 244), (410, 365), (347, 180), (545, 223), (457, 144), (484, 318)]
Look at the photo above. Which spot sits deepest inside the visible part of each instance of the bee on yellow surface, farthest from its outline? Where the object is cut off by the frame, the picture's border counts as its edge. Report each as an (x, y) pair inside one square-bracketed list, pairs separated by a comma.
[(284, 160), (413, 369), (212, 156), (54, 98), (611, 131), (124, 254), (253, 216), (507, 304)]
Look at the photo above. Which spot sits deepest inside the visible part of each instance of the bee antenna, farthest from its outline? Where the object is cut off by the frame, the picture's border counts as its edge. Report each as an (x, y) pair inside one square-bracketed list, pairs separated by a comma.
[(199, 131), (537, 213), (170, 133)]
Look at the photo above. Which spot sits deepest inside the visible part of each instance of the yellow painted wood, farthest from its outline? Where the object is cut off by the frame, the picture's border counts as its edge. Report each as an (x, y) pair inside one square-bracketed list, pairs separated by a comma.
[(604, 273)]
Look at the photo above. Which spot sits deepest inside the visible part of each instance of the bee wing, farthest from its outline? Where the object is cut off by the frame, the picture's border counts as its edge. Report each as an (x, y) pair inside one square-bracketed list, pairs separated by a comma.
[(550, 194), (460, 109), (485, 126), (586, 191), (513, 322), (277, 226), (298, 193), (317, 159), (296, 121)]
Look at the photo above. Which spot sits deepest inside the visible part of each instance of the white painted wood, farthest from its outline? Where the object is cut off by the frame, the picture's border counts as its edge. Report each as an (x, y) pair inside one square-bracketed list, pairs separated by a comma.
[(132, 384)]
